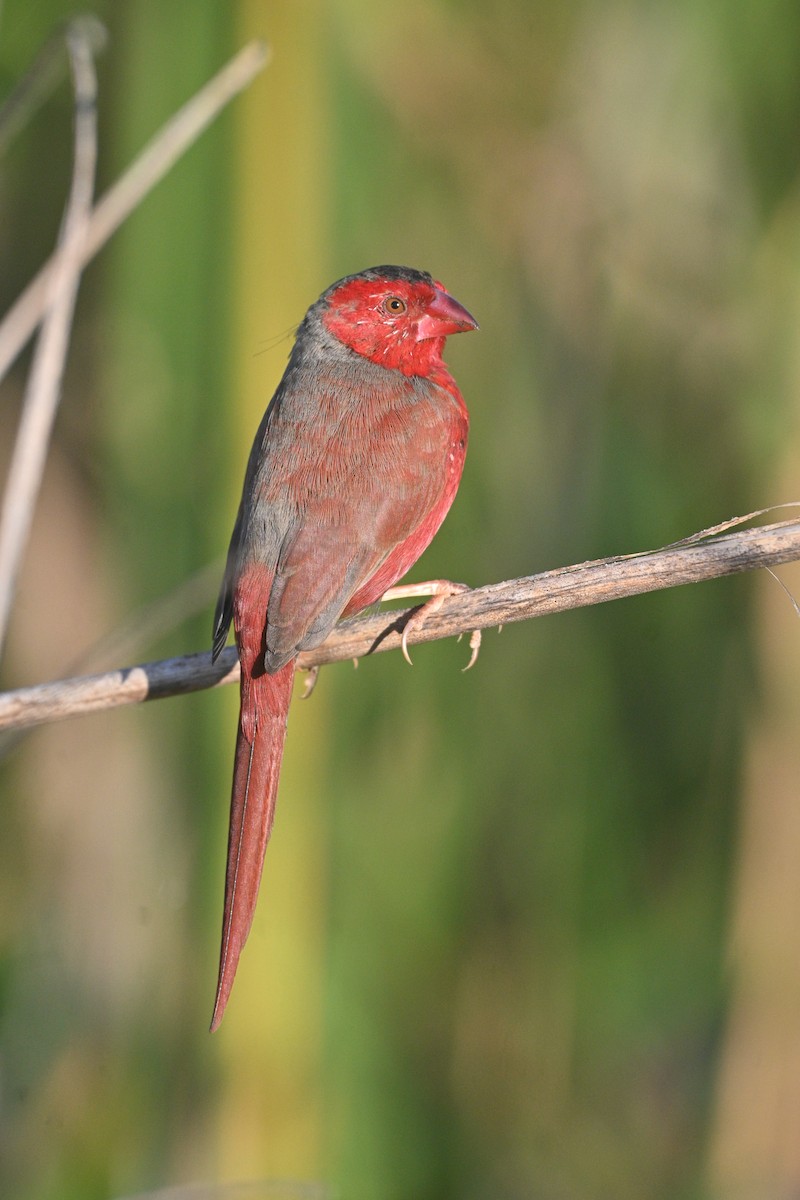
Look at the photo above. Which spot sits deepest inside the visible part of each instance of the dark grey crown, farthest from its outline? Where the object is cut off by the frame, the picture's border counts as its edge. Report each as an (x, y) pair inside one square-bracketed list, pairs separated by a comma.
[(408, 274)]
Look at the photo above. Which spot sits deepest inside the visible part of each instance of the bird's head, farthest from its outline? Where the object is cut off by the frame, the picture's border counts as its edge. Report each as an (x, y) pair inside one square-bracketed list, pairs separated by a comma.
[(394, 316)]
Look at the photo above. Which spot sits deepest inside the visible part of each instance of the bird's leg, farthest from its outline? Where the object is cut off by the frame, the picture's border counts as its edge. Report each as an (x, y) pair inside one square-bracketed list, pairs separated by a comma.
[(438, 590)]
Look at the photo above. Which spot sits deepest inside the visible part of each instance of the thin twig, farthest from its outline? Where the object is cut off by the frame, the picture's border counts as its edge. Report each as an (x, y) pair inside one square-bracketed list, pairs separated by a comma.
[(162, 616), (45, 74), (496, 604), (140, 178), (43, 390)]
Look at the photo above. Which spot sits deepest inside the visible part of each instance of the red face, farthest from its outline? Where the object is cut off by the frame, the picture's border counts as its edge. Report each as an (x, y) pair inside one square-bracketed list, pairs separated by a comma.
[(396, 323)]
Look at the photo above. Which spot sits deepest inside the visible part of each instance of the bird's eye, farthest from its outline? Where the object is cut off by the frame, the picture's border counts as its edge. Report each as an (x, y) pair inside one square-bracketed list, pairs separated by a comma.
[(394, 305)]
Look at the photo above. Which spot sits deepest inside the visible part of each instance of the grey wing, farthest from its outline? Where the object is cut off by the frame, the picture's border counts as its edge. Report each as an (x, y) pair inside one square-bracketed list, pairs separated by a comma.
[(320, 571), (340, 545), (245, 531), (223, 614)]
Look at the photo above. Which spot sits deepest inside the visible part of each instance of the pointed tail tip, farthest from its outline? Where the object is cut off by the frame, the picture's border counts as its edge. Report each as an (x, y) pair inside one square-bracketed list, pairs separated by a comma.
[(219, 1011), (227, 974)]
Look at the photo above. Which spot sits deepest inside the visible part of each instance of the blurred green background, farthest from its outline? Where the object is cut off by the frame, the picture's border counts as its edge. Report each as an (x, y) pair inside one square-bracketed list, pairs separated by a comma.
[(530, 932)]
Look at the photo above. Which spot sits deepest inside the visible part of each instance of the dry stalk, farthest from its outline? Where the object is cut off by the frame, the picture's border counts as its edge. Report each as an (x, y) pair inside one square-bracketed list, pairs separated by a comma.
[(704, 557)]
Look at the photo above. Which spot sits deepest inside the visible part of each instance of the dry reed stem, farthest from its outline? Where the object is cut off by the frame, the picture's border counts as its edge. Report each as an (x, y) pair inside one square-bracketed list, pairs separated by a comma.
[(50, 297), (45, 74), (691, 561), (121, 199), (43, 389)]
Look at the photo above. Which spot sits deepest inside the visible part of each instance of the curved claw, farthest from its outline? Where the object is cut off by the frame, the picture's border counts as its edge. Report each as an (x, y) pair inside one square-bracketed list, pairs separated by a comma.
[(438, 590), (404, 645), (310, 681), (474, 645)]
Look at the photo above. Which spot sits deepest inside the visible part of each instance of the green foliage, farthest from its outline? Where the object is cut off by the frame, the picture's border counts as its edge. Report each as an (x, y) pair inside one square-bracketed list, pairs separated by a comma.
[(502, 915)]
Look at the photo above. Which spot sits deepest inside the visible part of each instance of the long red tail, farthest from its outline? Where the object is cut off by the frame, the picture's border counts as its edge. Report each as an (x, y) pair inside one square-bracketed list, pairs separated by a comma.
[(259, 750)]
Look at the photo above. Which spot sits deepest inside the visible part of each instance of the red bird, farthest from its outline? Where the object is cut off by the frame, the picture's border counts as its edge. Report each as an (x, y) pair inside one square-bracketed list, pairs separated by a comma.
[(353, 469)]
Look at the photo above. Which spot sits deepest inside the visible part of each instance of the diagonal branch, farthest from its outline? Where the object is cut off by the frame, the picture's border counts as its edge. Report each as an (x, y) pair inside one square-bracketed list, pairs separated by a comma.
[(50, 297), (693, 561), (130, 189)]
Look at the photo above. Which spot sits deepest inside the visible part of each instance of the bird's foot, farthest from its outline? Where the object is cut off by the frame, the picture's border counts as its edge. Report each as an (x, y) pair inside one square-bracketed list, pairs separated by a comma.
[(438, 590), (310, 682)]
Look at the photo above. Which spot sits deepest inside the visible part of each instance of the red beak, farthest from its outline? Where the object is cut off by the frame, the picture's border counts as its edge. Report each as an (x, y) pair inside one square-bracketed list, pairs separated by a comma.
[(444, 316)]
